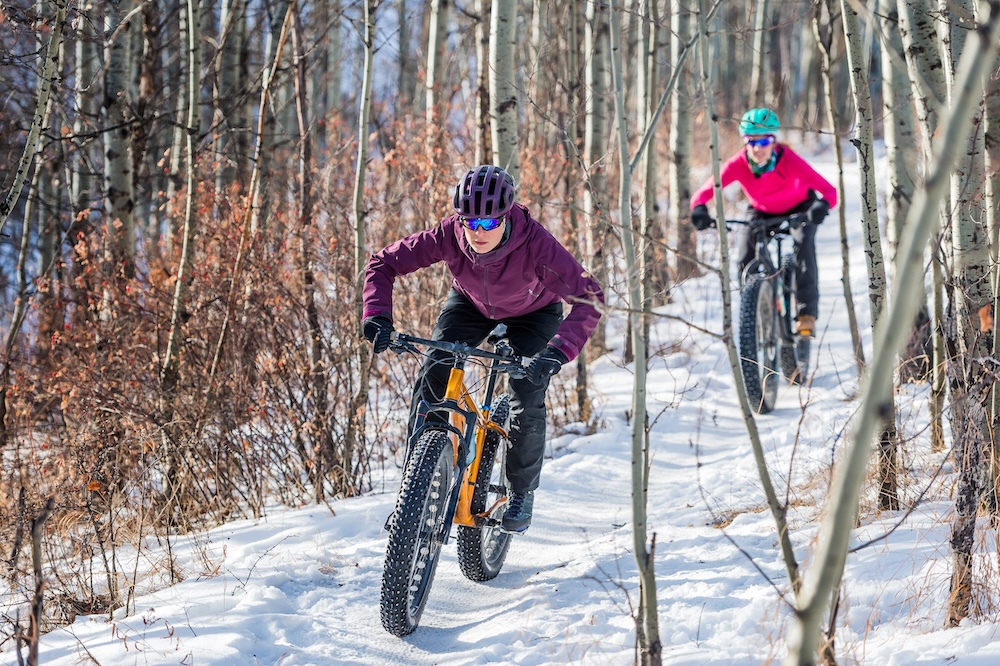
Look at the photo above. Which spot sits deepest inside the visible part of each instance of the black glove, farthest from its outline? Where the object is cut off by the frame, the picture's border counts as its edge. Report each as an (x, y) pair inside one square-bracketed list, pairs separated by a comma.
[(700, 219), (377, 330), (818, 210), (546, 364)]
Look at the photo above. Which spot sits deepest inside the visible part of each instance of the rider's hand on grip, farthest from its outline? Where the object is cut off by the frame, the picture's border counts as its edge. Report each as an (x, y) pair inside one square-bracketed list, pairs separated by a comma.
[(546, 364), (377, 331), (700, 219), (818, 210)]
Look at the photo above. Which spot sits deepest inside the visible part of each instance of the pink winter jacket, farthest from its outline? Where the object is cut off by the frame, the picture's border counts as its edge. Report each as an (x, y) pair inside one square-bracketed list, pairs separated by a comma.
[(775, 192)]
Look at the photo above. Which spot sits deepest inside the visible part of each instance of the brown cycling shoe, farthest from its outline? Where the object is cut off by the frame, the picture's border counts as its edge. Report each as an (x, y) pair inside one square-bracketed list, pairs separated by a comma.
[(805, 325)]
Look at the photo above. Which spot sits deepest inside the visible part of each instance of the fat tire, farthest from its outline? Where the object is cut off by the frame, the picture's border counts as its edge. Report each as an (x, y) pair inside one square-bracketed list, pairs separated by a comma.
[(795, 351), (482, 550), (759, 343), (417, 532), (789, 362)]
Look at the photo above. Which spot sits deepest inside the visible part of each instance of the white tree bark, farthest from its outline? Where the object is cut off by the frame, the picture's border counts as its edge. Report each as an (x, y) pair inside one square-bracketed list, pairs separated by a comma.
[(761, 49), (648, 630), (503, 91), (119, 253), (900, 137), (858, 63), (440, 14), (595, 40), (679, 171), (925, 65), (484, 143)]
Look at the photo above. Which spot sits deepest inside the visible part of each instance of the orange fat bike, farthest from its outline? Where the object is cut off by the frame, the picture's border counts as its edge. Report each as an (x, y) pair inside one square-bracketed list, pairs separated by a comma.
[(455, 473)]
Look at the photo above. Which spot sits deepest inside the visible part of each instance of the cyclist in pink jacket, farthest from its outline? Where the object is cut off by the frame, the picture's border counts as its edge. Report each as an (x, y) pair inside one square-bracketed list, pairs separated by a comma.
[(506, 268), (777, 182)]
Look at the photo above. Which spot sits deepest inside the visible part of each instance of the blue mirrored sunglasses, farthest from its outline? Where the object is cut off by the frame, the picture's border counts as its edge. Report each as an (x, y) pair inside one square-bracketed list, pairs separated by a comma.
[(484, 223), (759, 142)]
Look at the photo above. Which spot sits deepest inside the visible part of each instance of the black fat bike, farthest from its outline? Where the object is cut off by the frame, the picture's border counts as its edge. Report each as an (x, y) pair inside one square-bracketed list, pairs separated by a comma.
[(455, 473), (767, 336)]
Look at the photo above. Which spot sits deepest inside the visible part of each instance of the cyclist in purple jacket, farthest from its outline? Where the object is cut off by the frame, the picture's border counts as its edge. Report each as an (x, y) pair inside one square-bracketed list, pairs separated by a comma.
[(506, 268)]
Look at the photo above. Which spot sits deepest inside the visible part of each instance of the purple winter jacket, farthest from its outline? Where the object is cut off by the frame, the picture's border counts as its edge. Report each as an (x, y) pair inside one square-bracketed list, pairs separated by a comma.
[(531, 270)]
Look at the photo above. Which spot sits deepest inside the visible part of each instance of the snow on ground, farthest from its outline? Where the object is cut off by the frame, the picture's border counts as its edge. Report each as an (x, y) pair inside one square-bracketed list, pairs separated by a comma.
[(301, 586)]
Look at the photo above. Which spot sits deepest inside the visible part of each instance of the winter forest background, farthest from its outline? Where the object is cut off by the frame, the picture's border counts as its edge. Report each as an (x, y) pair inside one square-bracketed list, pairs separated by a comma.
[(192, 190)]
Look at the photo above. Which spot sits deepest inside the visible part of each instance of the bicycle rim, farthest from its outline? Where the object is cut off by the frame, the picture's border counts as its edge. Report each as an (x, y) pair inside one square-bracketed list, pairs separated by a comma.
[(791, 367), (482, 550), (417, 533), (759, 343)]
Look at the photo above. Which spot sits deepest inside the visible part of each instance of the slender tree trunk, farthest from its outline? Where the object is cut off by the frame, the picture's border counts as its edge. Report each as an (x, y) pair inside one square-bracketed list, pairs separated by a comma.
[(438, 37), (119, 252), (595, 147), (680, 142), (900, 137), (761, 49), (888, 497), (484, 142), (503, 91), (969, 384), (356, 410), (824, 28), (648, 631), (925, 65)]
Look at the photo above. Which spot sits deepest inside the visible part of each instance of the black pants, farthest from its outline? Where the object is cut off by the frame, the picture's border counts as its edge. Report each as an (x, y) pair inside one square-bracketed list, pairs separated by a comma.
[(460, 321), (804, 248)]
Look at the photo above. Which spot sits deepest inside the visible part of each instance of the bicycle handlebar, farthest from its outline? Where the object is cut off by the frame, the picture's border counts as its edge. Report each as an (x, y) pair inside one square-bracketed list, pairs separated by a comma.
[(509, 362), (779, 224)]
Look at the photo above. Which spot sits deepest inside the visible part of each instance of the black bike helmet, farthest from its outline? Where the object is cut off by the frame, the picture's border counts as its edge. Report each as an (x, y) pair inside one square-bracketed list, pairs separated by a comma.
[(484, 191)]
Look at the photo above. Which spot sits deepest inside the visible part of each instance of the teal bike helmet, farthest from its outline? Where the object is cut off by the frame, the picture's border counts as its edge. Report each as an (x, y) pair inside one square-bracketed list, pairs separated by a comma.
[(759, 122)]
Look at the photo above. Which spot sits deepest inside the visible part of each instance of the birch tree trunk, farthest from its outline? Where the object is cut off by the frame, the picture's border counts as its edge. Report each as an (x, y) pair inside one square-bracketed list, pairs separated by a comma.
[(761, 48), (647, 628), (119, 248), (925, 65), (655, 277), (824, 41), (570, 120), (440, 12), (484, 142), (594, 146), (827, 565), (991, 139), (356, 409), (888, 498), (679, 172), (969, 385), (900, 138), (503, 92)]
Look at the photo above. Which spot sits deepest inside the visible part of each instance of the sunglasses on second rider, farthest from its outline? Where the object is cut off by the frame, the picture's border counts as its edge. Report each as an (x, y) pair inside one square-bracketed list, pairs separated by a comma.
[(484, 223), (758, 142)]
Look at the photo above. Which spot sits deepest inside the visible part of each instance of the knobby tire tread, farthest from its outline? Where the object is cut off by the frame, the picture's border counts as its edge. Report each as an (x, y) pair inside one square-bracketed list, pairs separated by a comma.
[(432, 454), (482, 550), (758, 372)]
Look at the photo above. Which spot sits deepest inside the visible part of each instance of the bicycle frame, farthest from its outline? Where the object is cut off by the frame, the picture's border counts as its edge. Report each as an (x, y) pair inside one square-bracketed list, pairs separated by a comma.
[(766, 230), (468, 425)]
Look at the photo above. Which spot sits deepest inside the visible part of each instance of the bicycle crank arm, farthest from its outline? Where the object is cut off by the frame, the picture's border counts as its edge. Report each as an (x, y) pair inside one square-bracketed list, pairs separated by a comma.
[(486, 519)]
